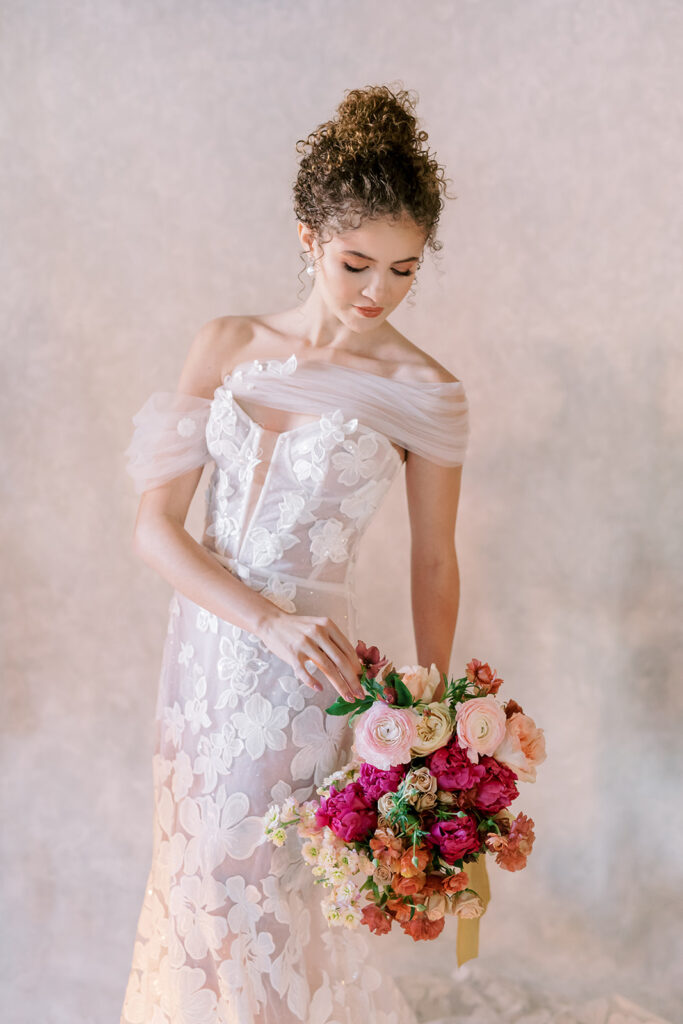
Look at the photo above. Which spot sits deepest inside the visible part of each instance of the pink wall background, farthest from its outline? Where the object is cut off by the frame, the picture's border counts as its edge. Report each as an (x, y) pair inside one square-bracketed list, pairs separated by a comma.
[(147, 160)]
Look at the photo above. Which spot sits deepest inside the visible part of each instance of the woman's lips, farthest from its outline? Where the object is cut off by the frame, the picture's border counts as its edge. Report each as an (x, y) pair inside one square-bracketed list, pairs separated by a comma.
[(370, 310)]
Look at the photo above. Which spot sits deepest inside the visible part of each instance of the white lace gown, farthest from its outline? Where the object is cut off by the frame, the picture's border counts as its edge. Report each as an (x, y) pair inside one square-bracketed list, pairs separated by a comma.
[(231, 930)]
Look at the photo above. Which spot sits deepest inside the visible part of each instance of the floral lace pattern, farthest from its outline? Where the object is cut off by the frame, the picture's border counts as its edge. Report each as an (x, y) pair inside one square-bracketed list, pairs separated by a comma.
[(231, 930)]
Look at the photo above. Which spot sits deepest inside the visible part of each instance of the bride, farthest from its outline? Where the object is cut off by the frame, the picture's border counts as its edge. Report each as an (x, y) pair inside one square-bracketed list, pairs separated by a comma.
[(306, 417)]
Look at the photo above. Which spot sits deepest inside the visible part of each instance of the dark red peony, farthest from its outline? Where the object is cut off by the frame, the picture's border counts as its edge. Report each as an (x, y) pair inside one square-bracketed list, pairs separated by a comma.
[(455, 837), (453, 768), (348, 813), (375, 782), (497, 788)]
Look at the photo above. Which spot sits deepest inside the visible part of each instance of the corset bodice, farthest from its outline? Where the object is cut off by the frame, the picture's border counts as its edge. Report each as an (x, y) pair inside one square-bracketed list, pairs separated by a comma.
[(298, 515)]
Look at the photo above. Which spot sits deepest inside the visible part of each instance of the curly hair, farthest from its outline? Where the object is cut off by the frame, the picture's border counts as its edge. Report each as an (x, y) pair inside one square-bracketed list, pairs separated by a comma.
[(368, 162)]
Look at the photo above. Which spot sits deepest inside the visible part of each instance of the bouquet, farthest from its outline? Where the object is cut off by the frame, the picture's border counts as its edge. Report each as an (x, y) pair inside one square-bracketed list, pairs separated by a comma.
[(426, 793)]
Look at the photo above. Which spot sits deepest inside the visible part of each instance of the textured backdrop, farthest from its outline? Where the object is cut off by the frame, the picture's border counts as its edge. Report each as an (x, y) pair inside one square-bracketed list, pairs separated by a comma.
[(146, 169)]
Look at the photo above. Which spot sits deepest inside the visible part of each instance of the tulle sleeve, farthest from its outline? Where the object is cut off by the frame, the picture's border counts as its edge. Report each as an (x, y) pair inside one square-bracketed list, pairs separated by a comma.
[(169, 438)]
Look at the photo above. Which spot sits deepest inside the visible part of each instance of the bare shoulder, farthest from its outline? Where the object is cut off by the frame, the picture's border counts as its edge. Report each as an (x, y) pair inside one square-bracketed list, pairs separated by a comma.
[(217, 346), (417, 365)]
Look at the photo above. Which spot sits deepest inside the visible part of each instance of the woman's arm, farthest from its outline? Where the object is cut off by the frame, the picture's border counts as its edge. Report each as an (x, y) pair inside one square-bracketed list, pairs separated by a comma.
[(160, 538), (433, 493), (162, 542)]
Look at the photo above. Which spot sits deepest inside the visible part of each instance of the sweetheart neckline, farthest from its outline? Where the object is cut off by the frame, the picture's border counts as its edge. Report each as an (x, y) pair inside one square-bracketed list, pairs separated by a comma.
[(302, 426)]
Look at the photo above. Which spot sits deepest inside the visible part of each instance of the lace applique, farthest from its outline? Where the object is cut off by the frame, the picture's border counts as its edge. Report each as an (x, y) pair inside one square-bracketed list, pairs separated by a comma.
[(239, 666), (357, 460), (329, 540), (276, 367), (261, 725)]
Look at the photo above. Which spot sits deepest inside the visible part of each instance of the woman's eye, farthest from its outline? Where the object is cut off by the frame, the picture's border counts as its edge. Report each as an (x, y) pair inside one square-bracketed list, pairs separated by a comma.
[(358, 270)]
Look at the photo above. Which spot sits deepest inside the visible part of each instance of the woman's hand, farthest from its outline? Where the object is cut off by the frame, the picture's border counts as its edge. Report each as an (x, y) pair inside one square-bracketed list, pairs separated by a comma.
[(297, 639)]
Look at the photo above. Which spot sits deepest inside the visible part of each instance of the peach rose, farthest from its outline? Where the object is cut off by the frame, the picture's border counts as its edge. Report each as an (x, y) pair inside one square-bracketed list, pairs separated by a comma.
[(467, 904), (384, 735), (480, 725), (382, 875), (523, 747), (435, 906), (421, 682)]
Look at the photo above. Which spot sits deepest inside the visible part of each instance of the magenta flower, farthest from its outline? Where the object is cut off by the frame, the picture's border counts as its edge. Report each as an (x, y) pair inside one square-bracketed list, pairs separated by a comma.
[(453, 768), (455, 837), (497, 788), (348, 813), (375, 782)]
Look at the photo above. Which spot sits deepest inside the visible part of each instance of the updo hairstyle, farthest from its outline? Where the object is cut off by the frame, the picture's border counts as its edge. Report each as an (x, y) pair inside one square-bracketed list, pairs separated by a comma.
[(370, 161)]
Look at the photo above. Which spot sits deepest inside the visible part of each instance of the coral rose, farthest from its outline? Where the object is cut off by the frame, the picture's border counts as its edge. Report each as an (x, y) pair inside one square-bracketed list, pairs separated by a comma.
[(513, 849), (480, 725), (387, 848), (421, 682), (398, 909), (384, 735), (408, 886), (376, 920), (422, 856), (434, 729), (420, 927), (522, 748), (456, 883)]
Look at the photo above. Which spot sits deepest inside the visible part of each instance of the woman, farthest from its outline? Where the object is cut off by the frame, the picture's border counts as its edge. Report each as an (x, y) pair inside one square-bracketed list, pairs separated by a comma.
[(307, 415)]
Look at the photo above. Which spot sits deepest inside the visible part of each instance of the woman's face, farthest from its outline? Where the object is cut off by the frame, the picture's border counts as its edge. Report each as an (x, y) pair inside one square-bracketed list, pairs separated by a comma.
[(369, 266)]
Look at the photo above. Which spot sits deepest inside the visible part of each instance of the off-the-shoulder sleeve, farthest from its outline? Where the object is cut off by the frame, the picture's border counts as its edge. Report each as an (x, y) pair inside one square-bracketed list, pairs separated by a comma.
[(169, 438)]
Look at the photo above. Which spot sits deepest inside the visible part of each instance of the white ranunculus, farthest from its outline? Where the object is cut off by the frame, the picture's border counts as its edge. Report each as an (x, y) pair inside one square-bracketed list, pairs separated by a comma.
[(434, 729)]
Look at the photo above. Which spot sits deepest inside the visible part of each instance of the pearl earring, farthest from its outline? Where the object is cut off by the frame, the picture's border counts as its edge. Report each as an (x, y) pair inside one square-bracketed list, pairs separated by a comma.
[(310, 268)]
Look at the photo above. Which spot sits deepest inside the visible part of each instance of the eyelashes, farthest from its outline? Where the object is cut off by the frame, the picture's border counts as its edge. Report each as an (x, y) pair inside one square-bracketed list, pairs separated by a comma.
[(358, 270)]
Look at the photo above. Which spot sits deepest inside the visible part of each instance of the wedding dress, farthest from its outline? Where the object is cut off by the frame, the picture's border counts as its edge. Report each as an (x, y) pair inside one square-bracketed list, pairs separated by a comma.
[(231, 930)]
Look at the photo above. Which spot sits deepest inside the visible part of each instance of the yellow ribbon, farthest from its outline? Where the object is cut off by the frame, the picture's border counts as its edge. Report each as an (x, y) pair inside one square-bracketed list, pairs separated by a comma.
[(467, 942)]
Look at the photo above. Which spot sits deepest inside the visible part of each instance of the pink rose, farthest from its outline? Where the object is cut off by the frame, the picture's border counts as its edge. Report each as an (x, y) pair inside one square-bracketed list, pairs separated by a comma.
[(480, 725), (523, 747), (384, 735), (375, 783), (347, 813), (455, 837), (497, 789)]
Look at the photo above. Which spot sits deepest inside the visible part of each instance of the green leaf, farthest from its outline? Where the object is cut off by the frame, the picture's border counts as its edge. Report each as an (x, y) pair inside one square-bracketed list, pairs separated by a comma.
[(403, 694), (343, 707), (340, 707)]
